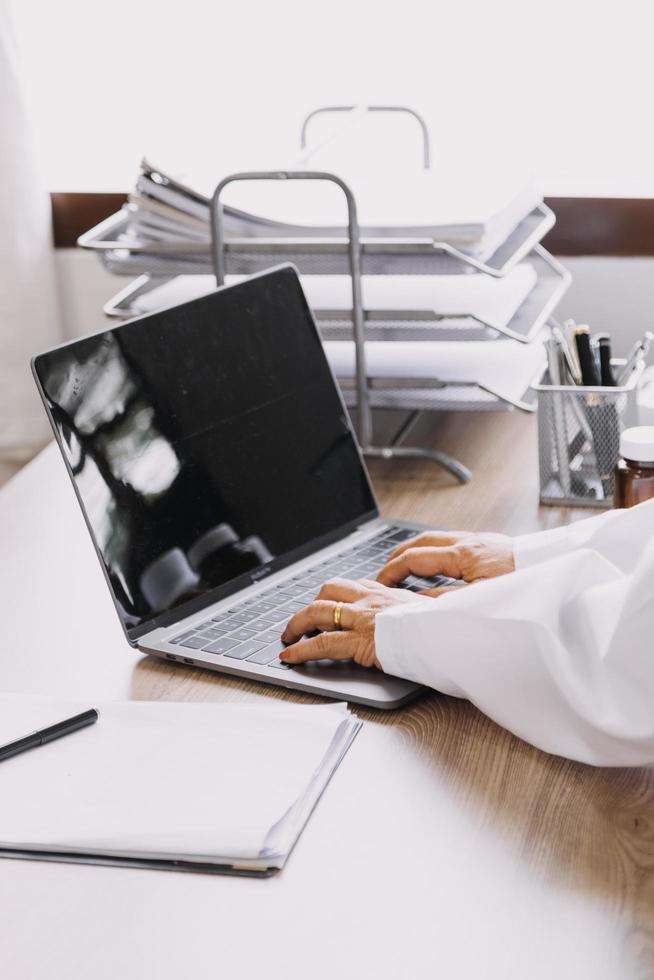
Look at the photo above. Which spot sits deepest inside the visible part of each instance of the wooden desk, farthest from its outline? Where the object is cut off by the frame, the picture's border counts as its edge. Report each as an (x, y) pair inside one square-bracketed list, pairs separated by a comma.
[(444, 847)]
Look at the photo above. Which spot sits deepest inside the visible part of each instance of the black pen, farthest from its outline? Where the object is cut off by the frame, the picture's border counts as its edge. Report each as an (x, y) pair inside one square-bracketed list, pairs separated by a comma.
[(606, 372), (49, 734), (585, 355)]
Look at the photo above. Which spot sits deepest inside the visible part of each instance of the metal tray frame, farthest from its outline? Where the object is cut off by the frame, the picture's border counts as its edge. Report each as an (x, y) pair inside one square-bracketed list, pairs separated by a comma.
[(392, 325), (428, 394), (157, 262), (420, 325), (250, 254), (220, 253)]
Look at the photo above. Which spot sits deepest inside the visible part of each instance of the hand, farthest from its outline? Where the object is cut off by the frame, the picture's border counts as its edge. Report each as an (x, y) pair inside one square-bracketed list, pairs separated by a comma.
[(355, 640), (457, 554)]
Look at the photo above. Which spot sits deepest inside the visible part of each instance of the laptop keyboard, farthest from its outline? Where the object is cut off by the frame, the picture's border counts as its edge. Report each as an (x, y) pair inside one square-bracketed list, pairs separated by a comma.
[(252, 629)]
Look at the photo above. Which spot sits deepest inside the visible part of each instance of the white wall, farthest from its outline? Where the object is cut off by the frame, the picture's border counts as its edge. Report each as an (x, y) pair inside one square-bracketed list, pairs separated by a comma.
[(564, 85), (84, 286), (611, 294)]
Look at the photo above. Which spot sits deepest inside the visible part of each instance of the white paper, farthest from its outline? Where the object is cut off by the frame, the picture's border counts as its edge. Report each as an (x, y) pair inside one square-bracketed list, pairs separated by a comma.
[(188, 781), (495, 301), (472, 209), (504, 367), (459, 206)]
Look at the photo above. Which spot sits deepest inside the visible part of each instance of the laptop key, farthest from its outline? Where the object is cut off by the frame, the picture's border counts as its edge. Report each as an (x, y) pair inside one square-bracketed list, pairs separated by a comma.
[(215, 632), (438, 582), (201, 626), (280, 664), (195, 642), (243, 634), (308, 597), (244, 650), (268, 654), (291, 607), (234, 622), (371, 552), (418, 584), (295, 590), (401, 534), (182, 636), (261, 624), (259, 608), (220, 646), (268, 637)]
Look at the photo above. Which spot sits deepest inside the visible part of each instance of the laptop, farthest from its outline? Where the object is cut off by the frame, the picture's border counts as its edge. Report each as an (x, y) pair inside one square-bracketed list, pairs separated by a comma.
[(221, 482)]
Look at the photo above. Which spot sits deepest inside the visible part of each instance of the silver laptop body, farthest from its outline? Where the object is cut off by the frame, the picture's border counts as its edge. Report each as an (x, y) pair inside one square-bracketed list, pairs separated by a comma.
[(220, 480)]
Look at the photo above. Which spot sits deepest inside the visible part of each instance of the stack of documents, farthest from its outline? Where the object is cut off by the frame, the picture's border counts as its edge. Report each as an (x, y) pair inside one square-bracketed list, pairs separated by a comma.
[(471, 213), (474, 214), (205, 787)]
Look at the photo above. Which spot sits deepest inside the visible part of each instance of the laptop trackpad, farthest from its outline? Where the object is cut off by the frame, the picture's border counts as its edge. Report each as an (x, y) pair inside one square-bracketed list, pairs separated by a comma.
[(332, 669), (348, 681)]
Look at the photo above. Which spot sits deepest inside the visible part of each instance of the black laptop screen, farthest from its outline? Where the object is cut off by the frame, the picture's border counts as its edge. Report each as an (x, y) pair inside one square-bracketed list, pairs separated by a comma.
[(207, 443)]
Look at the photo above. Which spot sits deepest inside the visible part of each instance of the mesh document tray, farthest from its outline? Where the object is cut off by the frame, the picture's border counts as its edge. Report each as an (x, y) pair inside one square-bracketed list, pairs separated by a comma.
[(328, 255), (242, 244), (393, 325), (148, 294)]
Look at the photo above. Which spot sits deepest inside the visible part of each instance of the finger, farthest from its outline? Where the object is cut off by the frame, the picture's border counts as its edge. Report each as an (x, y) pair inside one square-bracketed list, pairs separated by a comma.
[(441, 591), (326, 646), (342, 590), (318, 616), (429, 539), (421, 561)]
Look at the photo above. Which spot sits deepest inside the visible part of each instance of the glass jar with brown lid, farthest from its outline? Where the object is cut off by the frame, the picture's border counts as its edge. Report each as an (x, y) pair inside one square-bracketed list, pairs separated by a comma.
[(634, 474)]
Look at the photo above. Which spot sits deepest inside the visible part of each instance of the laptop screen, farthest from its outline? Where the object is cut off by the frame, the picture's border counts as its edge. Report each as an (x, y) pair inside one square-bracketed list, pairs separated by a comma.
[(208, 445)]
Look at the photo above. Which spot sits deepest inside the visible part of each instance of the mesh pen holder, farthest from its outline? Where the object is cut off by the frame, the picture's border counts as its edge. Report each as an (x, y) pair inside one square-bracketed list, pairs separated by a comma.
[(579, 438)]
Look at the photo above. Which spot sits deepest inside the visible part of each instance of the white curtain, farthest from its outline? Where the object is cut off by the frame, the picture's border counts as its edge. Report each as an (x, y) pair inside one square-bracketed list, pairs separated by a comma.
[(29, 306)]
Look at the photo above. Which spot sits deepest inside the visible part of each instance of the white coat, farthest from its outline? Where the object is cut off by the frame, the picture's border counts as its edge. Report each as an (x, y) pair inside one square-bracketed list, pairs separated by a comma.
[(560, 652)]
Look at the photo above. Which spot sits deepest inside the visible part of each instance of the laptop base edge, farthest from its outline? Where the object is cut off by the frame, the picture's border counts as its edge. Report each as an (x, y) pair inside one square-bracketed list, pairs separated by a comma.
[(372, 690)]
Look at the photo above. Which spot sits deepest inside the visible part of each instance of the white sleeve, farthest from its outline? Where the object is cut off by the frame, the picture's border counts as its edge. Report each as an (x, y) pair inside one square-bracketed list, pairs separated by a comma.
[(560, 653), (616, 534)]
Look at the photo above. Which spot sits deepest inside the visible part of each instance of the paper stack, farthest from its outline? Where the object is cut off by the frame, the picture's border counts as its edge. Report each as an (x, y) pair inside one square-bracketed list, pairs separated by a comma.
[(204, 787), (476, 216)]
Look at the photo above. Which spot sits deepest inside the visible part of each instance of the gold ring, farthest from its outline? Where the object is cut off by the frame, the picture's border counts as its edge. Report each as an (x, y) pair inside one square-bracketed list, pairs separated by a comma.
[(337, 616)]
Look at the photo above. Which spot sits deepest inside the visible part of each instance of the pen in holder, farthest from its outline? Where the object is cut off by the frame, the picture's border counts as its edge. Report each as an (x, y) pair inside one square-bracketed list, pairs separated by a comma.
[(579, 437)]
